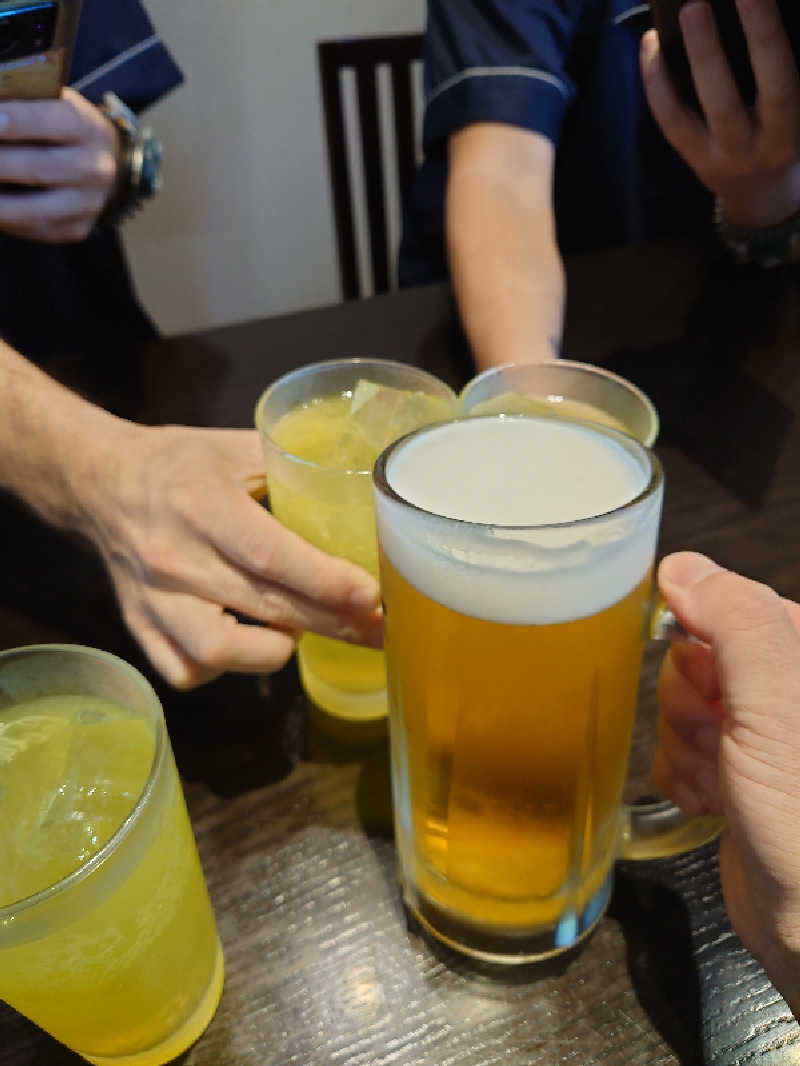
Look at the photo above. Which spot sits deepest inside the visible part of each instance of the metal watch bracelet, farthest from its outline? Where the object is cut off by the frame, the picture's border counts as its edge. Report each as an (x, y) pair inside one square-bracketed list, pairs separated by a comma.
[(139, 176), (770, 246)]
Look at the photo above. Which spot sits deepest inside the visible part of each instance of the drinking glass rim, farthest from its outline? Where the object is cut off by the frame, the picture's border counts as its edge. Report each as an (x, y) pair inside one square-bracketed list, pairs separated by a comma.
[(10, 911), (590, 370), (321, 364), (629, 443)]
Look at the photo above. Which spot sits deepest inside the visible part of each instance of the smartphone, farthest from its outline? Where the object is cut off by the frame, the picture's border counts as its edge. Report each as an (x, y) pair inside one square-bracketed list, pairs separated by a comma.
[(665, 17), (36, 42)]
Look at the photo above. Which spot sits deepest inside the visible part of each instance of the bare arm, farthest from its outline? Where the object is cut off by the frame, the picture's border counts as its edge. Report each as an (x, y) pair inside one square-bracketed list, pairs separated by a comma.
[(169, 510), (504, 262)]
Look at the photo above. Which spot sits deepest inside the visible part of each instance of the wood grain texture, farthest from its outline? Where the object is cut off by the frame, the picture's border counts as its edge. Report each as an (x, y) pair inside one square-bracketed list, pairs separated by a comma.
[(294, 829)]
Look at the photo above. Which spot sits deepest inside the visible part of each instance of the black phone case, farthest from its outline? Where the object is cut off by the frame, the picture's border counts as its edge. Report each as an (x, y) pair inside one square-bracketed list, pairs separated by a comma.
[(41, 76), (665, 17)]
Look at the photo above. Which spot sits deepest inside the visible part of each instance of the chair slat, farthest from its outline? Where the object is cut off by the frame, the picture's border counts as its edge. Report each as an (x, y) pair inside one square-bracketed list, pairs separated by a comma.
[(373, 175), (340, 176), (364, 55)]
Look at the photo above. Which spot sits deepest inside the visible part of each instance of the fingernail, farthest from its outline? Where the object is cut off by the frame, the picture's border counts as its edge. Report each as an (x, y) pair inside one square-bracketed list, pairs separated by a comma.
[(366, 596), (649, 44)]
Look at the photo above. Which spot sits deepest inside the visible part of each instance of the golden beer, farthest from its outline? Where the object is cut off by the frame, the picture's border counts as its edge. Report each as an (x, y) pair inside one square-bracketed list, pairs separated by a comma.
[(514, 629)]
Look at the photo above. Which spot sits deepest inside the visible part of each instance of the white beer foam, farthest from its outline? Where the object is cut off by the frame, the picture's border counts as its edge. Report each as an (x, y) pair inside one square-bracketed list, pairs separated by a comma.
[(519, 472)]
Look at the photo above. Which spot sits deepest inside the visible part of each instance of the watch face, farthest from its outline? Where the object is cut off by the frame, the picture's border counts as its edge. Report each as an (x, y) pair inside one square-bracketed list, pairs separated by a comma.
[(150, 173), (665, 17)]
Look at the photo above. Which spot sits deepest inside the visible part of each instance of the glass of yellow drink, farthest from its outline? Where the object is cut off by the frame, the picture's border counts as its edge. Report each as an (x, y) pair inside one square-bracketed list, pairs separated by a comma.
[(563, 389), (322, 427), (516, 559), (107, 937)]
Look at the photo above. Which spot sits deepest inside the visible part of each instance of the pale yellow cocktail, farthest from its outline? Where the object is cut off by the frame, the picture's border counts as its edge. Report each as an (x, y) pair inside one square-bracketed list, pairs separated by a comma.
[(319, 449), (107, 937)]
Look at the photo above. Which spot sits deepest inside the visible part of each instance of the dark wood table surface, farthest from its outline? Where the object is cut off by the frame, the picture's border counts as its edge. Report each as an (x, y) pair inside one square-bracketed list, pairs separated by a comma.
[(294, 829)]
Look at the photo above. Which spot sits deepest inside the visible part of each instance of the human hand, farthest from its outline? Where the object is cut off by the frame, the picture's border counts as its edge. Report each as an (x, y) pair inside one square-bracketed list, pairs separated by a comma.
[(171, 512), (748, 157), (729, 743), (67, 149)]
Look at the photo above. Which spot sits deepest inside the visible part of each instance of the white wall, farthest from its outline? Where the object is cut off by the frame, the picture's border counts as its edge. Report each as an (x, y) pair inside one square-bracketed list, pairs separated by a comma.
[(243, 226)]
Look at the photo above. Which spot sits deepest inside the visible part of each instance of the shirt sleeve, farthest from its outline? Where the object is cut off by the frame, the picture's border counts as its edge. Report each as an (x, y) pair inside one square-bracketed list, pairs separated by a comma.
[(498, 61), (118, 49)]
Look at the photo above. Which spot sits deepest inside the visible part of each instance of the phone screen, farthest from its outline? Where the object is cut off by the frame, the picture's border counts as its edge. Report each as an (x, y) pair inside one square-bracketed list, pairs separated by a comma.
[(31, 65)]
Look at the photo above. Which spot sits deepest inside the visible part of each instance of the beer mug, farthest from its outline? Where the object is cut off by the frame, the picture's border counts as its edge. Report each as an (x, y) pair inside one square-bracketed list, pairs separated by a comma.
[(583, 392), (516, 561)]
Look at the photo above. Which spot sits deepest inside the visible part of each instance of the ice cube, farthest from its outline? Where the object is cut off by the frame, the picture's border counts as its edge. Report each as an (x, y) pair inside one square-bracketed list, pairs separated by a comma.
[(382, 413)]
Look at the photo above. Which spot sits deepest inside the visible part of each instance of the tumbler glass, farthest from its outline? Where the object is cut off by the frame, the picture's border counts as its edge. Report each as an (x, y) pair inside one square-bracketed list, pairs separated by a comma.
[(107, 937), (322, 428)]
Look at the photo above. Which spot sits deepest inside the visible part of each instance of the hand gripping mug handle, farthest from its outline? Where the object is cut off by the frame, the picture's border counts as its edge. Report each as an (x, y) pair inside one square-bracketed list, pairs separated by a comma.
[(657, 829)]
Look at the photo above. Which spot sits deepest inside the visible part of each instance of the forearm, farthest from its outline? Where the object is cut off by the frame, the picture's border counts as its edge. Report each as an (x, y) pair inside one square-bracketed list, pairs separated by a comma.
[(53, 443), (506, 270)]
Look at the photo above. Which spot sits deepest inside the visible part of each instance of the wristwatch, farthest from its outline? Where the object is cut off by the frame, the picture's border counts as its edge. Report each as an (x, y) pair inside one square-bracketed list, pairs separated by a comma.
[(767, 247), (139, 176)]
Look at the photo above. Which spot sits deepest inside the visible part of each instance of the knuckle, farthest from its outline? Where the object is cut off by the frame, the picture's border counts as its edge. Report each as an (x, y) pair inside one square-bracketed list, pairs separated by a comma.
[(104, 170), (265, 553), (272, 607), (80, 230), (159, 558)]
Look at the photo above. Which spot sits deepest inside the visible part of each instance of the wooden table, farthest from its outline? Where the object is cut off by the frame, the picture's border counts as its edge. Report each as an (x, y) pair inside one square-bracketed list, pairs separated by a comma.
[(294, 829)]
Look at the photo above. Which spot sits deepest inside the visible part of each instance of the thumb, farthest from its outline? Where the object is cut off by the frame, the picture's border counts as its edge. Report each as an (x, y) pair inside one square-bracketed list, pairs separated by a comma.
[(755, 645)]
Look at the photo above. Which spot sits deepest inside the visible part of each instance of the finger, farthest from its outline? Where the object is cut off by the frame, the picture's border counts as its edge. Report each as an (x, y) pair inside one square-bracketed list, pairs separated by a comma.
[(684, 130), (209, 642), (682, 704), (695, 661), (210, 577), (60, 166), (46, 121), (166, 657), (297, 614), (726, 116), (681, 569), (757, 650), (50, 216), (253, 541), (776, 74), (686, 775)]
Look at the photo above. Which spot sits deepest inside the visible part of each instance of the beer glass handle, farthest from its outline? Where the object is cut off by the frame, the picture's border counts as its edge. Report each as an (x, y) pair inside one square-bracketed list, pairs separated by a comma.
[(657, 829)]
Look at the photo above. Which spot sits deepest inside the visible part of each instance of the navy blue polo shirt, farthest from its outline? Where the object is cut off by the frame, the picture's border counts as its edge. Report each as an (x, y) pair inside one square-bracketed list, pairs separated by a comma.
[(117, 48), (76, 300), (569, 70)]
